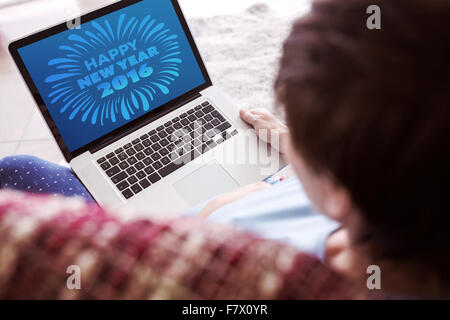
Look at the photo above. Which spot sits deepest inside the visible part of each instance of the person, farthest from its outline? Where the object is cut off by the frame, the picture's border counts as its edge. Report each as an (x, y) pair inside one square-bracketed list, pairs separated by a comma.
[(367, 135)]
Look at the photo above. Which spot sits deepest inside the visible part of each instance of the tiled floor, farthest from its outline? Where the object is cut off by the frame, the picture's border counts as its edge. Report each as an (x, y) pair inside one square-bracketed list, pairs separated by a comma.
[(22, 128)]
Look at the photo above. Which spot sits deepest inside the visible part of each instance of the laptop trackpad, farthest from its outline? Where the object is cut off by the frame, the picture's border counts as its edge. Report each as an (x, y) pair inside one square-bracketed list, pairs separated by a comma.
[(205, 183)]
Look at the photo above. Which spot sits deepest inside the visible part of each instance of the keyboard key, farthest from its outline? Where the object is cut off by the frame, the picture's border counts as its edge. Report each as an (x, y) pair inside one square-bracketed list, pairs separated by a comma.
[(110, 155), (184, 122), (198, 107), (211, 144), (127, 146), (157, 165), (123, 165), (152, 132), (155, 156), (160, 128), (208, 126), (132, 180), (176, 119), (210, 134), (122, 156), (162, 134), (172, 167), (167, 124), (148, 161), (205, 103), (226, 135), (143, 137), (127, 194), (190, 156), (192, 117), (120, 150), (199, 114), (203, 148), (165, 161), (149, 170), (101, 160), (139, 147), (113, 171), (170, 130), (148, 151), (105, 166), (235, 132), (154, 178), (183, 115), (156, 147), (208, 109), (196, 142), (224, 126), (139, 166), (123, 185), (141, 175), (218, 116), (215, 122), (114, 161), (140, 156), (164, 142), (191, 111), (146, 143), (135, 141), (131, 151), (154, 138), (164, 152), (132, 160), (119, 177), (178, 125), (144, 183), (131, 171), (136, 188)]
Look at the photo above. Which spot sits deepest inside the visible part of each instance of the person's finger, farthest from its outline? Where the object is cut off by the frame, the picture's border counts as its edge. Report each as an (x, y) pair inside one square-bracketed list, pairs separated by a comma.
[(259, 111), (247, 116)]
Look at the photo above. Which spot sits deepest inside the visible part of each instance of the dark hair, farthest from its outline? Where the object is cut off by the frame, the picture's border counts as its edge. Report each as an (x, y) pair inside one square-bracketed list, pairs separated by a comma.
[(372, 108)]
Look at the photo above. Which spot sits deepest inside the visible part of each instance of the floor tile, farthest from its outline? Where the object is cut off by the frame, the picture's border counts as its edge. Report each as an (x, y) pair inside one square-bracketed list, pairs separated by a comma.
[(16, 105), (37, 128), (45, 149), (8, 148)]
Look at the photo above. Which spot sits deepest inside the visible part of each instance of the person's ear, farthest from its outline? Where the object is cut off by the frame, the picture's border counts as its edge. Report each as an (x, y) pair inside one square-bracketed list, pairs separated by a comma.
[(337, 201)]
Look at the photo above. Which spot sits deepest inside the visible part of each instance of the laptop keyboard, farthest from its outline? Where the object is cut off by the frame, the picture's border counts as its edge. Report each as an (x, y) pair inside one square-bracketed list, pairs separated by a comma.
[(144, 161)]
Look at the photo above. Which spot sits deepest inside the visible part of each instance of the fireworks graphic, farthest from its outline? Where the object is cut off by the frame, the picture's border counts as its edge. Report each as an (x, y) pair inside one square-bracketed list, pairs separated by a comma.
[(86, 104)]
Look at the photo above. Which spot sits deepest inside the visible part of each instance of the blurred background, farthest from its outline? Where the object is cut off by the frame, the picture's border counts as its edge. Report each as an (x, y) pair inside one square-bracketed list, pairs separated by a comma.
[(240, 41)]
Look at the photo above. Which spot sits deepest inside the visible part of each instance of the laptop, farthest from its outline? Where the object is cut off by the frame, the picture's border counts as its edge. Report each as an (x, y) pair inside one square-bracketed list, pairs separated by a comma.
[(130, 103)]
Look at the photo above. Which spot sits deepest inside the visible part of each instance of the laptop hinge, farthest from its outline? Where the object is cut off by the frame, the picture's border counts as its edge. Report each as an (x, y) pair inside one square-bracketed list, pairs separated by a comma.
[(142, 123)]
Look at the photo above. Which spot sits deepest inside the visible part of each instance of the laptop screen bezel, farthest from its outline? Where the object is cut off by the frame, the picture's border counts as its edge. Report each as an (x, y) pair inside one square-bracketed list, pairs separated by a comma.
[(119, 132)]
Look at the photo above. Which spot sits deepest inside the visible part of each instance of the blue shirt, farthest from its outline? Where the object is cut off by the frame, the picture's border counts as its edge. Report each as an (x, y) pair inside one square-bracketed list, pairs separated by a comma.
[(281, 212)]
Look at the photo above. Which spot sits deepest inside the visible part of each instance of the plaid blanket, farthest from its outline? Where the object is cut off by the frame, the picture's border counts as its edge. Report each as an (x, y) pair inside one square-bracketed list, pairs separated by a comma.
[(46, 242)]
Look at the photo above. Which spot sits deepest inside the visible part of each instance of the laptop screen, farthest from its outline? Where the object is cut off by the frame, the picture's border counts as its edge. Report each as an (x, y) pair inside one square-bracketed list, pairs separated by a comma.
[(112, 70)]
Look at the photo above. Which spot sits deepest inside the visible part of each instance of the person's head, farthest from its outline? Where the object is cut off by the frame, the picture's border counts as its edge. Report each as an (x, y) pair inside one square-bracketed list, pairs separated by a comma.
[(369, 115)]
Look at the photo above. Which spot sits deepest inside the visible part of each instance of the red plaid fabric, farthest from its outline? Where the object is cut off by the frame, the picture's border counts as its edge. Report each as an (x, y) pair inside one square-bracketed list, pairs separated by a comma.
[(41, 236)]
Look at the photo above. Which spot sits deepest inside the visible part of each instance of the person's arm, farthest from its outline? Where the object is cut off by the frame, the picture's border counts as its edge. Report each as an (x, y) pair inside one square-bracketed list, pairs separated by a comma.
[(267, 127)]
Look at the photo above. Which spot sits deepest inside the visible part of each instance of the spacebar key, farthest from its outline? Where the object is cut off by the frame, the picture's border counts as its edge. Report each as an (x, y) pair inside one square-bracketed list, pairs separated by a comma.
[(170, 168)]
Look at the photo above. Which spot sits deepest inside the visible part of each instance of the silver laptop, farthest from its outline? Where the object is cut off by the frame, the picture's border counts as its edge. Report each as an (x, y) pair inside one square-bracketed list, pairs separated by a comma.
[(130, 103)]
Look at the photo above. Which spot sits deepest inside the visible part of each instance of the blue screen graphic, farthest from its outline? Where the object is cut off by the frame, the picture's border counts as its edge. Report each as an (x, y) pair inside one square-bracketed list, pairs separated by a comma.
[(112, 70)]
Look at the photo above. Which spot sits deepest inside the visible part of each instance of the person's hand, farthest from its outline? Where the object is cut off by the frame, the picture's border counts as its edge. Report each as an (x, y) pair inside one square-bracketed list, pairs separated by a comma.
[(268, 127), (233, 196)]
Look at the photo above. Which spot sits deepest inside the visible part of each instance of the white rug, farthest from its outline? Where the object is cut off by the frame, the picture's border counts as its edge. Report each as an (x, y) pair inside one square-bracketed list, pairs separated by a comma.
[(241, 52)]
